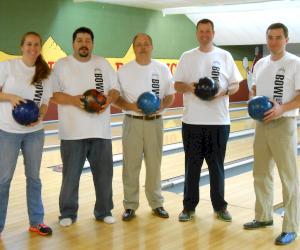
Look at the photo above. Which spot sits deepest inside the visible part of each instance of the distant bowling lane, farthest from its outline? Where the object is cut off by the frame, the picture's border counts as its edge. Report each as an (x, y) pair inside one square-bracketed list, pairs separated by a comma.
[(170, 137)]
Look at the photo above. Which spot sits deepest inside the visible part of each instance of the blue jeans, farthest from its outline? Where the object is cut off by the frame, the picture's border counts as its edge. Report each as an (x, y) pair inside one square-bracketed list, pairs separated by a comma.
[(99, 154), (31, 145)]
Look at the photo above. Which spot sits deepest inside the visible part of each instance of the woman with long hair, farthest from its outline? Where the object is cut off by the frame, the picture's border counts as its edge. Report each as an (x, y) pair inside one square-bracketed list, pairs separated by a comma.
[(21, 79)]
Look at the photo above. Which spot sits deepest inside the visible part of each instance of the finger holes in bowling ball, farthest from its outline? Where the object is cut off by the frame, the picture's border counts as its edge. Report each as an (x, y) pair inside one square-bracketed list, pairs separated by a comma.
[(206, 88)]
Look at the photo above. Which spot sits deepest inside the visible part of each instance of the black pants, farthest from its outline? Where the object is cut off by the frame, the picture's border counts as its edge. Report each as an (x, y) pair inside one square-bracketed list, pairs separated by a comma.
[(204, 142)]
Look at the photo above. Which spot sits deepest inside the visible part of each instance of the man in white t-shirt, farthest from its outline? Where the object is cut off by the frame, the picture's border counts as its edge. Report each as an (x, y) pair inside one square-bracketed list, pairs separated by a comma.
[(143, 135), (84, 135), (277, 76), (205, 124)]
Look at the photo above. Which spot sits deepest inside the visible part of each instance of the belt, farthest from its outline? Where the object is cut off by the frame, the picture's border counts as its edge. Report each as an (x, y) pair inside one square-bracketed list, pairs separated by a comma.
[(144, 117)]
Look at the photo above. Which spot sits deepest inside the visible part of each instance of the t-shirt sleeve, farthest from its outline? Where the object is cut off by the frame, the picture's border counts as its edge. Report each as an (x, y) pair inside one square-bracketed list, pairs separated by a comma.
[(3, 72), (57, 85), (254, 74), (297, 74), (48, 90), (170, 89), (256, 71), (112, 77), (119, 83), (180, 72)]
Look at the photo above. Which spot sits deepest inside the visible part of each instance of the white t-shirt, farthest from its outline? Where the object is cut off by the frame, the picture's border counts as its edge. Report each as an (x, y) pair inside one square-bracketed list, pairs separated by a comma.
[(217, 64), (134, 79), (73, 77), (15, 78), (278, 80)]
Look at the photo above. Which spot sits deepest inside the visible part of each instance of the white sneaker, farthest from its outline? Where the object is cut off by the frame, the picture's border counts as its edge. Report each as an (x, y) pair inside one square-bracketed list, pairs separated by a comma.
[(109, 219), (65, 222)]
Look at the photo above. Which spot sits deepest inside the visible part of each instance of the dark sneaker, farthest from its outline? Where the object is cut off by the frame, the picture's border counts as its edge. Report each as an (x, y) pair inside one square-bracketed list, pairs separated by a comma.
[(160, 212), (128, 215), (41, 229), (223, 215), (257, 224), (186, 215), (285, 238)]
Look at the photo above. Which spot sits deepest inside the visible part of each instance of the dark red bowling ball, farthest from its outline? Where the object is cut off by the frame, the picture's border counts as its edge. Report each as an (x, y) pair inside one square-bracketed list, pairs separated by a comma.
[(93, 100)]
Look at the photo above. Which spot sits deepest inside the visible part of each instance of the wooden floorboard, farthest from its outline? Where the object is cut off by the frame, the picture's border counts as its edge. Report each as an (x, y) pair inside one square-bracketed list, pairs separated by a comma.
[(145, 231)]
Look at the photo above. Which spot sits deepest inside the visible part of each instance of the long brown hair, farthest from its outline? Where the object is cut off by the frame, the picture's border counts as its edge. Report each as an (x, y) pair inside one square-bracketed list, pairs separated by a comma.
[(42, 69)]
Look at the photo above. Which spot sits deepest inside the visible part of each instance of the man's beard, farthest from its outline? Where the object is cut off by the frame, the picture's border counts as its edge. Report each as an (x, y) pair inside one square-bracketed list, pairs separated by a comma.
[(85, 53)]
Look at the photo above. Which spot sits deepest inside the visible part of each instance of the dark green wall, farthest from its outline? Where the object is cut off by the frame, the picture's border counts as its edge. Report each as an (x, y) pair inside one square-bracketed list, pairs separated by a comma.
[(114, 26), (241, 51)]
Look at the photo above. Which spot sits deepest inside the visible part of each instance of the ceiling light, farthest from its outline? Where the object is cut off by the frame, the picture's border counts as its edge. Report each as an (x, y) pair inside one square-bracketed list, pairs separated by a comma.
[(233, 8)]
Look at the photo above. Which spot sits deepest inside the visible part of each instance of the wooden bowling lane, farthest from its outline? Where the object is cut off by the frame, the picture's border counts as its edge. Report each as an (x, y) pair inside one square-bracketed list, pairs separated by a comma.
[(169, 137), (236, 186), (52, 125), (240, 125), (238, 104), (168, 123), (238, 114), (173, 164), (145, 231)]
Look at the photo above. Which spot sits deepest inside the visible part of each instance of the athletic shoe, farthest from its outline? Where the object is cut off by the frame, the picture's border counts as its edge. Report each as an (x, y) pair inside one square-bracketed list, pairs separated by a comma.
[(41, 229), (65, 222), (186, 215), (285, 238), (109, 219), (223, 215)]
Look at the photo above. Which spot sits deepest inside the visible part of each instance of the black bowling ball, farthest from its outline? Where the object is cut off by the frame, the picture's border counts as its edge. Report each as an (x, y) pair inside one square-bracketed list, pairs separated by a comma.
[(206, 88)]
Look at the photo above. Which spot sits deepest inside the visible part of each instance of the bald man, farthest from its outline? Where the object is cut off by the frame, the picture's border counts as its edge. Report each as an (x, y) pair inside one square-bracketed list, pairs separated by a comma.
[(143, 134)]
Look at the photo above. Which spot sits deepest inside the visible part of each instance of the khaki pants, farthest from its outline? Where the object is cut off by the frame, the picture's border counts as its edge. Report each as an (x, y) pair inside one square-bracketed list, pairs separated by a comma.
[(276, 141), (142, 138)]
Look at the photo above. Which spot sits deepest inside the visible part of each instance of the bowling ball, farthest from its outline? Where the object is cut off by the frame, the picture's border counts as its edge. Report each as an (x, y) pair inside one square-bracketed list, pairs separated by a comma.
[(206, 88), (93, 100), (26, 113), (257, 106), (148, 102)]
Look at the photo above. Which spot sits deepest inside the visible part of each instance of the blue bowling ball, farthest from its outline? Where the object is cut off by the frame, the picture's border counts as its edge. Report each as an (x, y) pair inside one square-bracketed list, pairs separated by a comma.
[(257, 106), (148, 102), (206, 88), (26, 113)]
